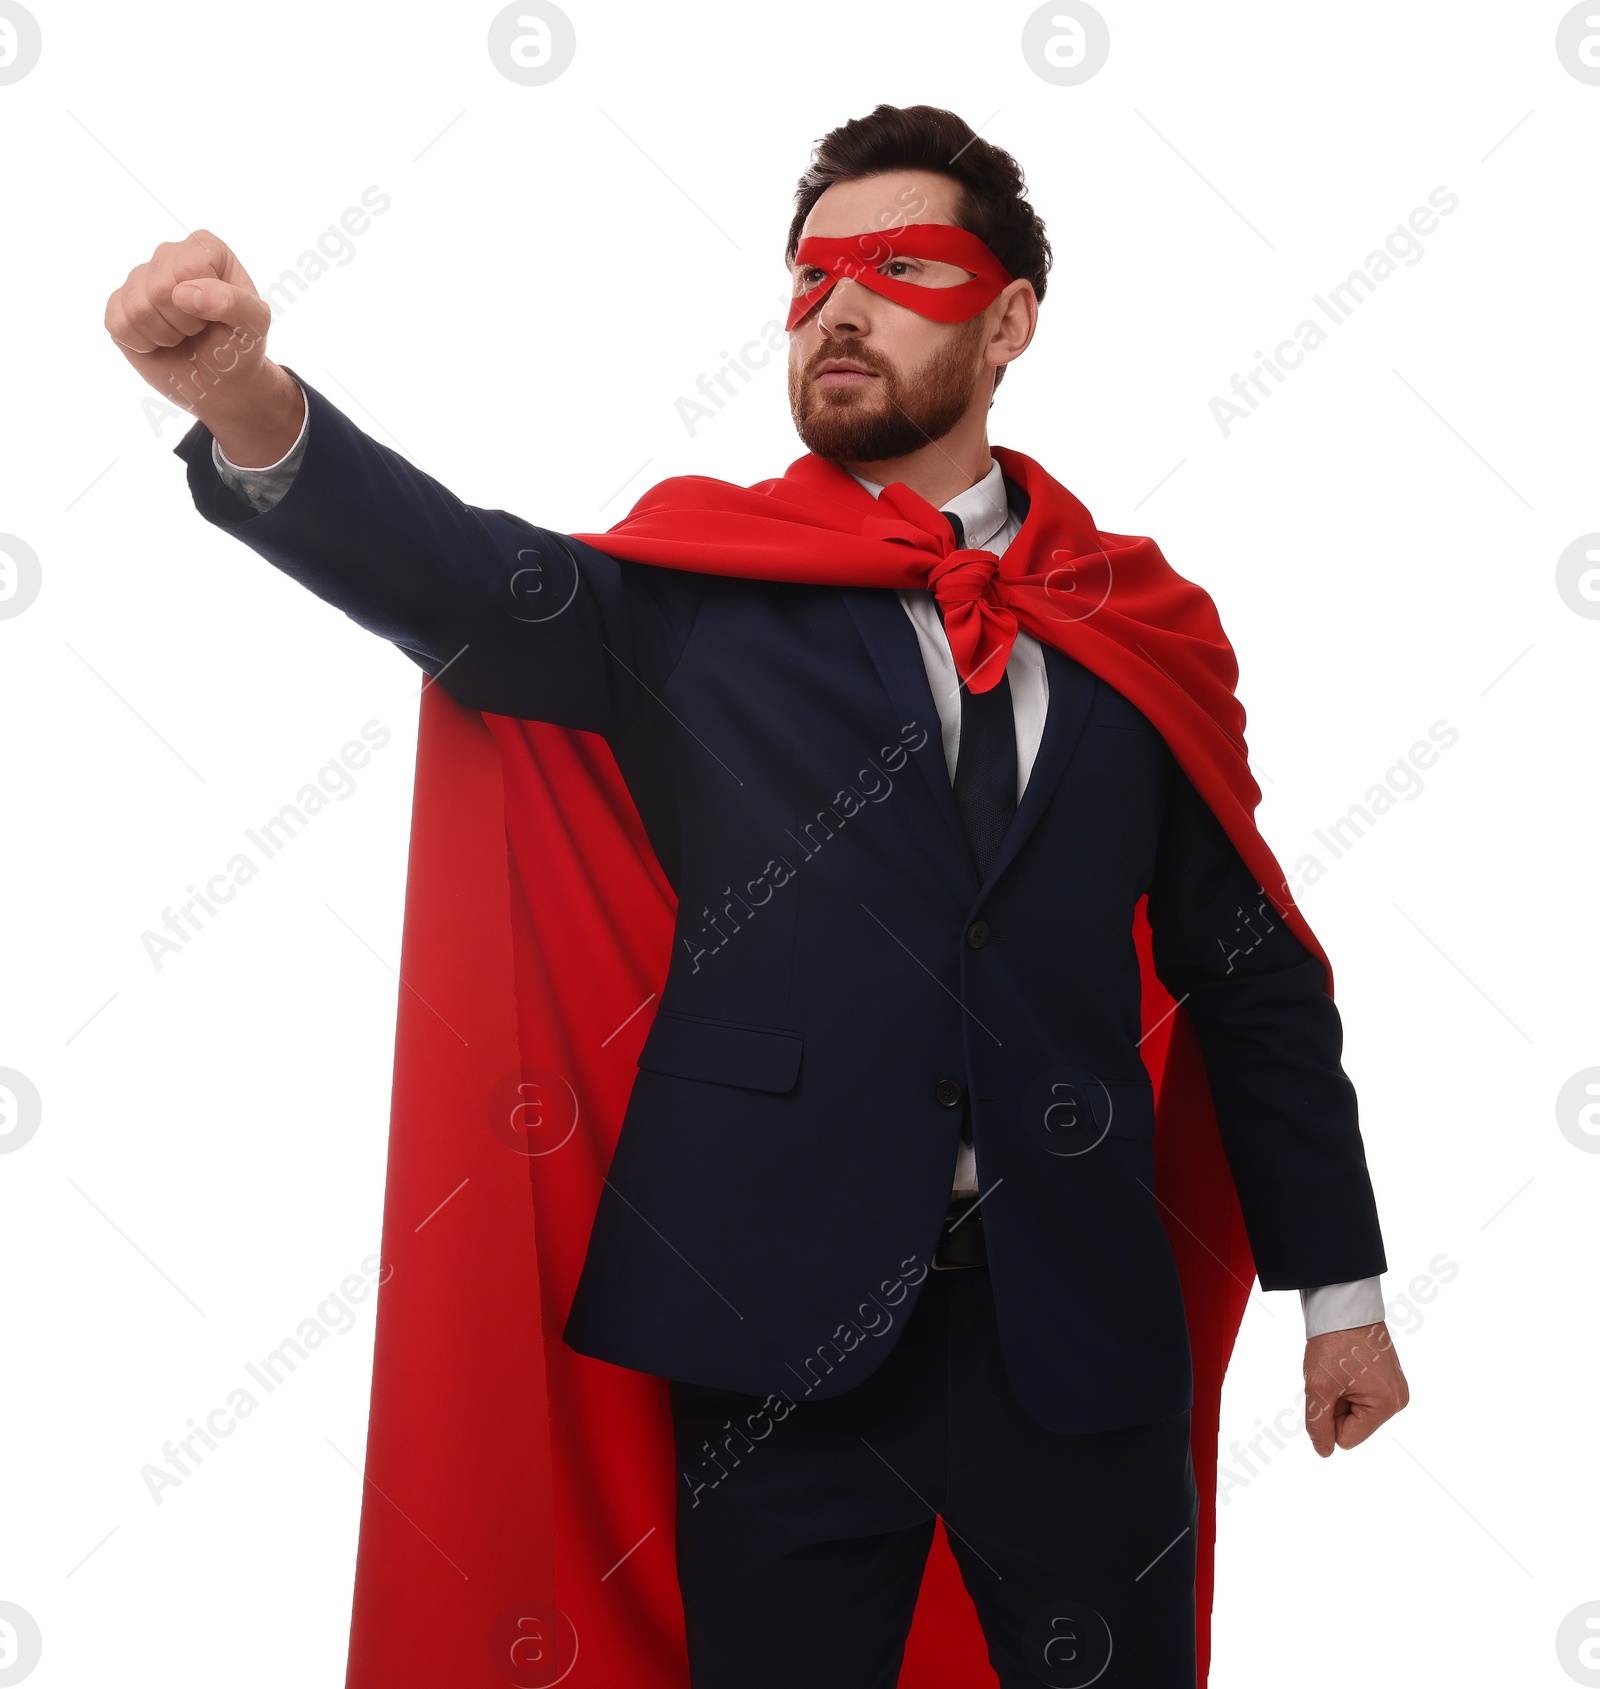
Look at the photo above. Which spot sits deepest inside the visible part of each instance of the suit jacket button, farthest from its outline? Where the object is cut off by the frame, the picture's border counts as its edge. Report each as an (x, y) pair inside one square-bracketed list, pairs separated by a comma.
[(978, 934), (947, 1093)]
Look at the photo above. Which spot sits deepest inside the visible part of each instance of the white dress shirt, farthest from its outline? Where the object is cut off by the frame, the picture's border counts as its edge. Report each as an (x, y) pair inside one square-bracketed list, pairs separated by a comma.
[(988, 525)]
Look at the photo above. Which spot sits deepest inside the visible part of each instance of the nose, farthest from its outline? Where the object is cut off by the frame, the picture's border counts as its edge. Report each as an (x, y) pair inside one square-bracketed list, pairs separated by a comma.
[(844, 311)]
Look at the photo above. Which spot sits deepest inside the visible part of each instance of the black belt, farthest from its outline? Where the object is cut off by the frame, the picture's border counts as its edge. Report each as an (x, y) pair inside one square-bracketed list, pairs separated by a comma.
[(961, 1237)]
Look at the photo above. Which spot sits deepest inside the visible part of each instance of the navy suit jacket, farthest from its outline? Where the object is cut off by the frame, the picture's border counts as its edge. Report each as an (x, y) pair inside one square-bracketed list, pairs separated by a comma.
[(844, 990)]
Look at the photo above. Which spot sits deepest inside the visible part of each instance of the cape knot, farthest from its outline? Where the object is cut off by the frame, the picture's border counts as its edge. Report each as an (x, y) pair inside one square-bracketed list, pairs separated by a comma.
[(965, 577)]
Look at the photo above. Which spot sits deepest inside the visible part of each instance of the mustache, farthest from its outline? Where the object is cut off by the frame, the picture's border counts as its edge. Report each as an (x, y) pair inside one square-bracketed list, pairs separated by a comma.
[(854, 351)]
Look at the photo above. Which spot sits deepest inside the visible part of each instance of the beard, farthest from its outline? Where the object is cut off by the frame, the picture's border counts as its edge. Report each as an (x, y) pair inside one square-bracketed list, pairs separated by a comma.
[(892, 416)]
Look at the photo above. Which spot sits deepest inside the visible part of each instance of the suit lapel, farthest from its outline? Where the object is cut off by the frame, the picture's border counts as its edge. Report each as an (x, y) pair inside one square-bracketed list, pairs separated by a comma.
[(1071, 693), (891, 642), (1071, 689)]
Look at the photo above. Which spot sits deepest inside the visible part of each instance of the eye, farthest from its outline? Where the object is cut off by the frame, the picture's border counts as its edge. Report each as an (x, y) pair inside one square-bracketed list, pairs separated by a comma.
[(806, 278), (900, 263)]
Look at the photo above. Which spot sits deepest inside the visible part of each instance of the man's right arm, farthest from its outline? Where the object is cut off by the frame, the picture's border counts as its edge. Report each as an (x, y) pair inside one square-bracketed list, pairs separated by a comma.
[(514, 619)]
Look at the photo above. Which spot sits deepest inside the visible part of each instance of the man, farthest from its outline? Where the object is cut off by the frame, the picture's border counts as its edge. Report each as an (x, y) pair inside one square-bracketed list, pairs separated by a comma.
[(899, 1053)]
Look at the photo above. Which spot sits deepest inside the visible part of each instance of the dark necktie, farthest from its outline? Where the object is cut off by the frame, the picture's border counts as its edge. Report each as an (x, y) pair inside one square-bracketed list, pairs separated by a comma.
[(986, 763)]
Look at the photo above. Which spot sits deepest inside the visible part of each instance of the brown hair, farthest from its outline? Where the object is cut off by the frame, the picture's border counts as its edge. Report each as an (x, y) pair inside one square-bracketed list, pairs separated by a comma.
[(992, 204)]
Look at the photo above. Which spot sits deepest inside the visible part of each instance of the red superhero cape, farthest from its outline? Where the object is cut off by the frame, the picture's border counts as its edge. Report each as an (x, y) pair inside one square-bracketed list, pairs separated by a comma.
[(517, 1517)]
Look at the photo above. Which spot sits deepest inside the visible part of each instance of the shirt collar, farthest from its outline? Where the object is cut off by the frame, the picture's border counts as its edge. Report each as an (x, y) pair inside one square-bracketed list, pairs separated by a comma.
[(982, 507)]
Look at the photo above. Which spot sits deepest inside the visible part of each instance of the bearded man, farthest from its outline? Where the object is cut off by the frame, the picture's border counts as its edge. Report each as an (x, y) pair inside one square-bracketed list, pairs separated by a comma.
[(982, 1058)]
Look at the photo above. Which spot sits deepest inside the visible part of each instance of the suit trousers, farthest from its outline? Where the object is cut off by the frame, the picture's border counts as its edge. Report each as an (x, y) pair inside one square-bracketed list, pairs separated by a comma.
[(803, 1526)]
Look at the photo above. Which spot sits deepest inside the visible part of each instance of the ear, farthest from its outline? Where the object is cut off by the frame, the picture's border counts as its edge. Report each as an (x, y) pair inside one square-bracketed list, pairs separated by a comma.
[(1016, 315)]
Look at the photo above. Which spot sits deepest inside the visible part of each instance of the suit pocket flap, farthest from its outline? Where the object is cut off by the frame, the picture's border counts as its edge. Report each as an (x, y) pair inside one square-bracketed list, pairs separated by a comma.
[(721, 1052), (1126, 1108), (1111, 709), (1069, 1110)]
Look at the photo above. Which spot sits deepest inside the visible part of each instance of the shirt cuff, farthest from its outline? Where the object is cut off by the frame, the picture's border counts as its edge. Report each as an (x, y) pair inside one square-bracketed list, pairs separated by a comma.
[(262, 488), (1342, 1307)]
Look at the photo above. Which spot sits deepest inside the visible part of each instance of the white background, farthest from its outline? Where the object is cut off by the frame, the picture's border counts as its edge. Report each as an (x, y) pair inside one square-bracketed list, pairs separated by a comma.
[(558, 265)]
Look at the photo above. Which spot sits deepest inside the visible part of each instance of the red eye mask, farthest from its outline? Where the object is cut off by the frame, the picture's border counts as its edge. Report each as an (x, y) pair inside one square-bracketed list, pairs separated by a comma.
[(858, 257)]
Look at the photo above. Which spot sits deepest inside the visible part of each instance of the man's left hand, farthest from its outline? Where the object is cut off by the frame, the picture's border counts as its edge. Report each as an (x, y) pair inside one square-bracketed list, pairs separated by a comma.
[(1353, 1384)]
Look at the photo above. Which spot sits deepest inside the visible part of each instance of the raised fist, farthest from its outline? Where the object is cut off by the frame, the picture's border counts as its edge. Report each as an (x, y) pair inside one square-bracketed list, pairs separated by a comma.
[(192, 324)]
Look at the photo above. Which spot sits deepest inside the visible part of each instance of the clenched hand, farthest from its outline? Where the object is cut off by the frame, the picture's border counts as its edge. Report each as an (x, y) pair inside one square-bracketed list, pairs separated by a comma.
[(1353, 1384), (191, 322)]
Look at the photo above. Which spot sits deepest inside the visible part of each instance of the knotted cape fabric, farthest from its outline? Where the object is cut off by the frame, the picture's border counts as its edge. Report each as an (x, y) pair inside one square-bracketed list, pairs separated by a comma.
[(518, 1505)]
